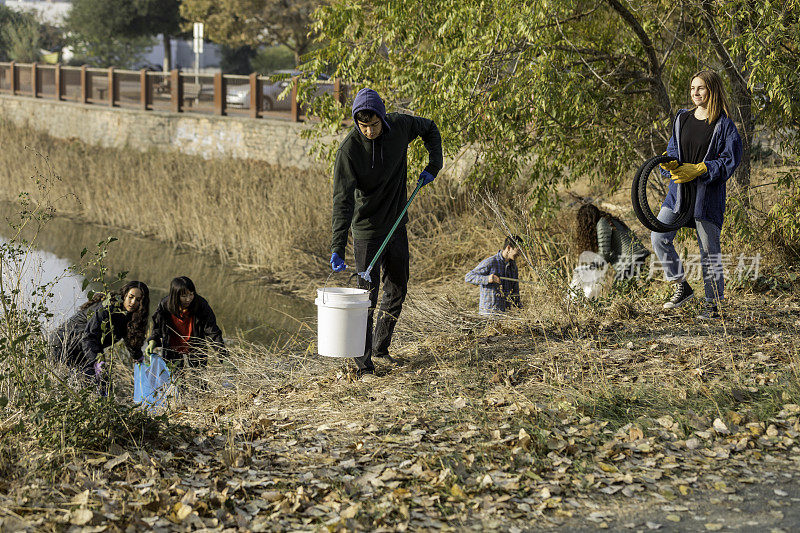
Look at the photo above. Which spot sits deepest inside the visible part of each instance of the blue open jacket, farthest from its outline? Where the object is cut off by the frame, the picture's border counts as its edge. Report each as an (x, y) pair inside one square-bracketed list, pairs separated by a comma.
[(722, 158)]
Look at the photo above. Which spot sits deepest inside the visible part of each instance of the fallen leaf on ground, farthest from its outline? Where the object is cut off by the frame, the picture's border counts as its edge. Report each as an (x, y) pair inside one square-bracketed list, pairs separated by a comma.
[(81, 517)]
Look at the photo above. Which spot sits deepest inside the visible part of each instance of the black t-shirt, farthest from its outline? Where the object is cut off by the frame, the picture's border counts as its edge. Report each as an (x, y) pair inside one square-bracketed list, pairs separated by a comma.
[(695, 137)]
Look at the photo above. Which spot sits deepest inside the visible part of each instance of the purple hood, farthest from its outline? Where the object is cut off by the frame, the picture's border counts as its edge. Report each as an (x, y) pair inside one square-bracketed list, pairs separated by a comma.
[(368, 100)]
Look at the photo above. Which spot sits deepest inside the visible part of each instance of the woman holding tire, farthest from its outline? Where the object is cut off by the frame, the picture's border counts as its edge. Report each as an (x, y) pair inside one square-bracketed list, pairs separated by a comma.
[(708, 149)]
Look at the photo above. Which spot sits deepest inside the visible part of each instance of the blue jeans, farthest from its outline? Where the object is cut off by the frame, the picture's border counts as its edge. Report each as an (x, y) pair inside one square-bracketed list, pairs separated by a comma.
[(710, 254)]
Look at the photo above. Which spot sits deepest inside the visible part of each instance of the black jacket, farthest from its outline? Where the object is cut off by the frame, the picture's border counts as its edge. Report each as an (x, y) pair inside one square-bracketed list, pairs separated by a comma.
[(204, 328), (80, 339), (369, 177)]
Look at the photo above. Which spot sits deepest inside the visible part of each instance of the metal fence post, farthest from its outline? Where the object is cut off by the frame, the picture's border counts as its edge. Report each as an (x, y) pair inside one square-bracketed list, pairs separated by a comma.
[(34, 81), (219, 94), (111, 86), (295, 106), (176, 90), (255, 92), (58, 82), (13, 72)]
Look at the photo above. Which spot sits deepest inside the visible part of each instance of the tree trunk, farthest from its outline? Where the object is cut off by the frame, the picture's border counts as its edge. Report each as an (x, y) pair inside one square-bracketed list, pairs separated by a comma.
[(167, 52), (743, 102), (742, 98), (657, 88)]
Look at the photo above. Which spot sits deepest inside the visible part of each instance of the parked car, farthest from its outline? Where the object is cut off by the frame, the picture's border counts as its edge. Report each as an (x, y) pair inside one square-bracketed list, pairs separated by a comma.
[(238, 96)]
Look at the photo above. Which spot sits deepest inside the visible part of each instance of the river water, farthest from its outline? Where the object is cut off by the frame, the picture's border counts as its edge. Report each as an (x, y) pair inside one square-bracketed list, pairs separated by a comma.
[(244, 307)]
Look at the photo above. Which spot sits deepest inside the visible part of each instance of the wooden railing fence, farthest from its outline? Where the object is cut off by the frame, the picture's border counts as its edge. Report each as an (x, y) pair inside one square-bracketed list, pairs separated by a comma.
[(252, 96)]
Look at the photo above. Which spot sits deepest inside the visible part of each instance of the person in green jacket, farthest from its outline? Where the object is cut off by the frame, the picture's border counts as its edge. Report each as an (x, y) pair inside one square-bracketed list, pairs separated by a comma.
[(369, 193), (602, 232)]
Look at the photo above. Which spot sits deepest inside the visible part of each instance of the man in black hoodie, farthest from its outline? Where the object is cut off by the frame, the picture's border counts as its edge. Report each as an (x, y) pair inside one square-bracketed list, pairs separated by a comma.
[(369, 193)]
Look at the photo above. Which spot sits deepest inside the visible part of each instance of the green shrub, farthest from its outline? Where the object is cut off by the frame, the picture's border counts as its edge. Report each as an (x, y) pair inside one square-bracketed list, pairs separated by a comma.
[(782, 220), (49, 411), (273, 58)]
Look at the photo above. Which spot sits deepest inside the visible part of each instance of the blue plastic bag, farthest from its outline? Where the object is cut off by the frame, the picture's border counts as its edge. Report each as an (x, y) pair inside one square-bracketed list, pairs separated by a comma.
[(151, 383)]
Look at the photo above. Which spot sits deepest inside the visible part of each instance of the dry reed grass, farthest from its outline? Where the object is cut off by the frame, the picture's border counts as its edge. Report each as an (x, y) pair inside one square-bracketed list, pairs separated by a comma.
[(248, 212), (617, 366), (244, 211)]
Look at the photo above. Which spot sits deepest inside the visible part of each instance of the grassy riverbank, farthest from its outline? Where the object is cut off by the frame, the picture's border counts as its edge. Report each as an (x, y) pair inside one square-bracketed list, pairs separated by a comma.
[(561, 415), (277, 220), (257, 215), (603, 417)]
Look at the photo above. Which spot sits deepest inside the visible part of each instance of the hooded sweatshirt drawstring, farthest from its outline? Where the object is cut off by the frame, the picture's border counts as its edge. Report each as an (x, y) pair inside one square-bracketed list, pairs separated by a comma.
[(373, 151), (380, 145)]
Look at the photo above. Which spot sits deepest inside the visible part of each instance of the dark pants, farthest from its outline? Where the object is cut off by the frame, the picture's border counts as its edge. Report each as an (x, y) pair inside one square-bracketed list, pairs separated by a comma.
[(65, 347), (392, 270)]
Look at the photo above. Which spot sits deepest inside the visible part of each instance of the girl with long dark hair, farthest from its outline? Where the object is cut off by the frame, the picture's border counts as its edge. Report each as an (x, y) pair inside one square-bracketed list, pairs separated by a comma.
[(708, 149), (101, 322), (601, 232), (185, 325)]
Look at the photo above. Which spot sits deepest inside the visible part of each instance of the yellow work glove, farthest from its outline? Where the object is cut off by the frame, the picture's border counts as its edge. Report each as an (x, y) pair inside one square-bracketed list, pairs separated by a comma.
[(687, 172), (151, 347), (669, 166)]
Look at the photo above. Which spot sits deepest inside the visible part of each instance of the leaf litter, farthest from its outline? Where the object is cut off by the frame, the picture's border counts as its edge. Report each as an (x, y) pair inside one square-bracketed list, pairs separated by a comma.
[(527, 433)]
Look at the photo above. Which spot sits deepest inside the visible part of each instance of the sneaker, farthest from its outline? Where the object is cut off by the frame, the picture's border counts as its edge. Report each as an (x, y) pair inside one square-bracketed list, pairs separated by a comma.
[(683, 293), (708, 312), (392, 360)]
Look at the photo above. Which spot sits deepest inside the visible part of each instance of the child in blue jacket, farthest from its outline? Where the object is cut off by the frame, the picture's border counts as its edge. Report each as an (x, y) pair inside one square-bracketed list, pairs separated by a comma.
[(497, 277)]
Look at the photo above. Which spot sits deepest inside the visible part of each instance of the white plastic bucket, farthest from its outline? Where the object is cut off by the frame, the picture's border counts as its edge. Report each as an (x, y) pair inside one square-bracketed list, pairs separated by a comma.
[(342, 321)]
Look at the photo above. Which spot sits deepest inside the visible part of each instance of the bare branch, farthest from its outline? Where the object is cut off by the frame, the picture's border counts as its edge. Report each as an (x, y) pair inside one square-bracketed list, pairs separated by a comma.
[(659, 91), (719, 47)]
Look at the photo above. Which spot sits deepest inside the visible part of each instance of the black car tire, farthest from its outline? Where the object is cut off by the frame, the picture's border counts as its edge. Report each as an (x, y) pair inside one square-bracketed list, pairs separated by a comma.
[(642, 207), (266, 104)]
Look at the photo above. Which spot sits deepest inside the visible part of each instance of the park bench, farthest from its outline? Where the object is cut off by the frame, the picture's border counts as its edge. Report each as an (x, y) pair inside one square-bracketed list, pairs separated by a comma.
[(193, 92)]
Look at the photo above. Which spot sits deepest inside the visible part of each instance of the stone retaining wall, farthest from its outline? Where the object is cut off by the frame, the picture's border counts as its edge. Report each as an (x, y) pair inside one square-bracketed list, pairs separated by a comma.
[(273, 141)]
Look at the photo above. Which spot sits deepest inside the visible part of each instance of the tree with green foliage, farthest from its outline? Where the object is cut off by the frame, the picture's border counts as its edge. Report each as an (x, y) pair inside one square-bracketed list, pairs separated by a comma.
[(20, 36), (109, 28), (237, 60), (272, 58), (758, 46), (119, 52), (256, 22), (538, 90)]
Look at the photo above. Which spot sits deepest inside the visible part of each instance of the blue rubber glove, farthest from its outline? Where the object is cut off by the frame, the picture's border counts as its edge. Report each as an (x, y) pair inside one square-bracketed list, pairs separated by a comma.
[(337, 263), (426, 177)]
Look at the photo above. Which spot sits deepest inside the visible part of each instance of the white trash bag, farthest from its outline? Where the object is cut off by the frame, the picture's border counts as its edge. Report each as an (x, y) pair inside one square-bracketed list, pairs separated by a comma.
[(589, 277)]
